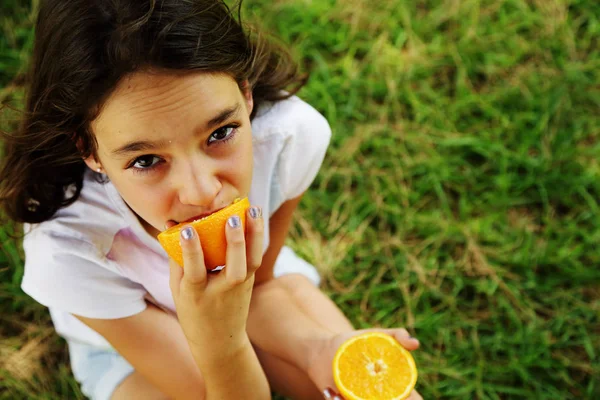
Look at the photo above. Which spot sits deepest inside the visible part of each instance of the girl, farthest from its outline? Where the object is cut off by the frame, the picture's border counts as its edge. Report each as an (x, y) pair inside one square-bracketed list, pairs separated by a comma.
[(141, 115)]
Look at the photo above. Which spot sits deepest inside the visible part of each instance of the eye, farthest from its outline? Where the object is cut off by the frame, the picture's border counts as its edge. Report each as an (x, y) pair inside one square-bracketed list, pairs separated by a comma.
[(145, 162), (222, 134)]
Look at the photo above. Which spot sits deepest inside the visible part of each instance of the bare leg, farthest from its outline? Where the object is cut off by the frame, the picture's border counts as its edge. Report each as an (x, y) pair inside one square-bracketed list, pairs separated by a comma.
[(286, 379), (283, 377), (327, 314), (135, 387)]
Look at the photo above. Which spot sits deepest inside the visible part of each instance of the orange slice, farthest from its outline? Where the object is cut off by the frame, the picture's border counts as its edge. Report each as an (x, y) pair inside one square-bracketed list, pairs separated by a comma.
[(211, 230), (374, 366)]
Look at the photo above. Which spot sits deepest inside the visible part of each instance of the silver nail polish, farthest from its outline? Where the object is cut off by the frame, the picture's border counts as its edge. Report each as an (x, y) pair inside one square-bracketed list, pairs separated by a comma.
[(327, 393), (234, 221), (255, 212), (187, 233)]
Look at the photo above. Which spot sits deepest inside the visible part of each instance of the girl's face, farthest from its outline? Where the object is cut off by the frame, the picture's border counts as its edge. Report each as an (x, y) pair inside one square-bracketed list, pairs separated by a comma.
[(175, 147)]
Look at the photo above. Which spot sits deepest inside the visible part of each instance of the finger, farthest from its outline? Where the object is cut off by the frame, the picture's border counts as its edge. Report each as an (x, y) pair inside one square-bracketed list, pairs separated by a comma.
[(404, 338), (175, 275), (254, 238), (194, 270), (414, 395), (169, 224), (235, 264), (330, 394)]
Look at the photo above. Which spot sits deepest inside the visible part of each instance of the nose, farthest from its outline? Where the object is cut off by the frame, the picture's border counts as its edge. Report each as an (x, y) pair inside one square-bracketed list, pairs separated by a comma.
[(198, 185)]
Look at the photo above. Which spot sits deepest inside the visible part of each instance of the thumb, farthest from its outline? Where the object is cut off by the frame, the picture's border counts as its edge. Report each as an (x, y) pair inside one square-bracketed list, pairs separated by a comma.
[(330, 394), (404, 338)]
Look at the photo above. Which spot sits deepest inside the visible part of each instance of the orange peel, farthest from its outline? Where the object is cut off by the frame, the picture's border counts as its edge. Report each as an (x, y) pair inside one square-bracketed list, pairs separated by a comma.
[(211, 231), (374, 366)]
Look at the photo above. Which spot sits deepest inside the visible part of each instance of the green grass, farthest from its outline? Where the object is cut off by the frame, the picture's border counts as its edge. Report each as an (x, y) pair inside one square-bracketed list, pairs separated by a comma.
[(459, 197)]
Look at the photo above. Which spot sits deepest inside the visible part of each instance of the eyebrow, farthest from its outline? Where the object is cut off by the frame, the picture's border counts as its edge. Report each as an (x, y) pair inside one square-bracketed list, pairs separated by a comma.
[(223, 116), (144, 145)]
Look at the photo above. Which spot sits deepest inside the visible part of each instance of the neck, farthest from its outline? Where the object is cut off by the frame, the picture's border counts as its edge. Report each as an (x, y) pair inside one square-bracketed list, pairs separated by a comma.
[(149, 228)]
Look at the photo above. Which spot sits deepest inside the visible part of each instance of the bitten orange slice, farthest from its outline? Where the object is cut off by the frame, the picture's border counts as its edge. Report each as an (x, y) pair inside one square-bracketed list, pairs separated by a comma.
[(211, 230), (374, 366)]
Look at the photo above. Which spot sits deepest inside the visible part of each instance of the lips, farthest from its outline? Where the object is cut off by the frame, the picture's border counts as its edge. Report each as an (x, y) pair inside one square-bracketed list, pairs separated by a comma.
[(200, 216)]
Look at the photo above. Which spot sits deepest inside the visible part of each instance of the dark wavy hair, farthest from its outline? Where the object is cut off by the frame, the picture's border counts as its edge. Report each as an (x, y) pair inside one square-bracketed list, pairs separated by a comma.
[(82, 50)]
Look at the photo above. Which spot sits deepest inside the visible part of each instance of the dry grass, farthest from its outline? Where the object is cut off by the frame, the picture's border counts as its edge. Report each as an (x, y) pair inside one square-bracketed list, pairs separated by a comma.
[(459, 197)]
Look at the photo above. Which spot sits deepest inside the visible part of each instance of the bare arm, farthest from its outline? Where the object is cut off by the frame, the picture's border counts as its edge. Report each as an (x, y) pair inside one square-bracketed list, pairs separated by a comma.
[(153, 342), (279, 226), (293, 320), (290, 306)]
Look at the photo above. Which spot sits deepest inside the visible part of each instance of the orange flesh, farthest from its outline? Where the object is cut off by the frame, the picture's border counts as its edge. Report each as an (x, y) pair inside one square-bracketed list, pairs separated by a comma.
[(374, 366), (211, 231)]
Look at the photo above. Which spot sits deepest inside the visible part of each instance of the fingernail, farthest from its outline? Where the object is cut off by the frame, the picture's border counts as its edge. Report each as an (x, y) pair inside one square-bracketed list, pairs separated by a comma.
[(337, 398), (255, 212), (327, 393), (187, 233), (234, 221)]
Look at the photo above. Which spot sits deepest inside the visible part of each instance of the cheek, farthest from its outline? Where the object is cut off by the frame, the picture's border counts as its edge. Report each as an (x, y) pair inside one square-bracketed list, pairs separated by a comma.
[(148, 201), (243, 164)]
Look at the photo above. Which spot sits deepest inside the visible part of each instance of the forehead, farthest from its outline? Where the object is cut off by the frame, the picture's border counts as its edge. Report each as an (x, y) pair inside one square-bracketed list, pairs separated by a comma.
[(149, 101)]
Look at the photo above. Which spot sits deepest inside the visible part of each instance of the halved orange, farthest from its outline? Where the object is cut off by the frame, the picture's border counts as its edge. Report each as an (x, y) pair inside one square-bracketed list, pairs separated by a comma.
[(374, 366), (211, 230)]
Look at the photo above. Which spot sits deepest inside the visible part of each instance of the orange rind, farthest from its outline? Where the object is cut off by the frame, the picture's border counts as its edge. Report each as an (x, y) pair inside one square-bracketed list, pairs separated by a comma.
[(211, 231), (374, 366)]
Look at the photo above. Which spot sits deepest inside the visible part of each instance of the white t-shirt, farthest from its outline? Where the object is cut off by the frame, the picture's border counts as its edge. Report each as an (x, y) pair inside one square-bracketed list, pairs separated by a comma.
[(94, 258)]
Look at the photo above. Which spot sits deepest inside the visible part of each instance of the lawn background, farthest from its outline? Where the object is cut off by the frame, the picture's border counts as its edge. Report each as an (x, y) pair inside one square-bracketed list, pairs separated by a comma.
[(459, 197)]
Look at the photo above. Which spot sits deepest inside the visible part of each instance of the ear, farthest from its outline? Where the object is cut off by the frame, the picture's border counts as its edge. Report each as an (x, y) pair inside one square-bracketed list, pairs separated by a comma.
[(247, 92), (93, 164), (90, 161)]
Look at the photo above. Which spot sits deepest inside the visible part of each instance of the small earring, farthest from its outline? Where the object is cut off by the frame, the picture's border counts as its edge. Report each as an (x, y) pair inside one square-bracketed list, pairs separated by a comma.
[(99, 170)]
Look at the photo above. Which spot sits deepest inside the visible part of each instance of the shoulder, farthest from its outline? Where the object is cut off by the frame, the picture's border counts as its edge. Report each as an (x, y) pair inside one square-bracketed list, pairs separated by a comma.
[(92, 220), (73, 275), (81, 233), (290, 139), (288, 118), (67, 266)]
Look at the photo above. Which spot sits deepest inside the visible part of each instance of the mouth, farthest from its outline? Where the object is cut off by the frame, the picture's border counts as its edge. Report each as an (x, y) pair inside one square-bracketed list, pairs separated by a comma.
[(170, 223), (200, 216)]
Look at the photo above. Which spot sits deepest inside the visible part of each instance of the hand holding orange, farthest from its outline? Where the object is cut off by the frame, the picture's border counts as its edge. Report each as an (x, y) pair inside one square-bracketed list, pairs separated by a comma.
[(211, 230), (374, 366)]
